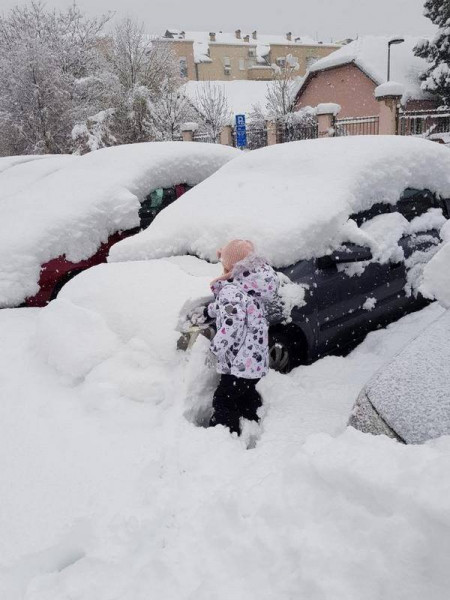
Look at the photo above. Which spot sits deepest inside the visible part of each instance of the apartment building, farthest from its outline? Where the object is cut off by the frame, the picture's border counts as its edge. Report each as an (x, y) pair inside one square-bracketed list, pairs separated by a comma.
[(237, 56)]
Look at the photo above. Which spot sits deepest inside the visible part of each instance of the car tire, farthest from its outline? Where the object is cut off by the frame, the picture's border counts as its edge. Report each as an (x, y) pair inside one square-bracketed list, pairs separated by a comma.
[(286, 350), (62, 282)]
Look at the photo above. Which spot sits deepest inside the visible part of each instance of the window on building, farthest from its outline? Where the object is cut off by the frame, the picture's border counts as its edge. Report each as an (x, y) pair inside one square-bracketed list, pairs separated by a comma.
[(226, 65), (252, 52), (241, 64), (281, 61), (310, 60), (183, 67)]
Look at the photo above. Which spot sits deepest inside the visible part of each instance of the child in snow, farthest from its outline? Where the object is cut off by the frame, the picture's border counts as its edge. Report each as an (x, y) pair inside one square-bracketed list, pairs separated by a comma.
[(242, 293)]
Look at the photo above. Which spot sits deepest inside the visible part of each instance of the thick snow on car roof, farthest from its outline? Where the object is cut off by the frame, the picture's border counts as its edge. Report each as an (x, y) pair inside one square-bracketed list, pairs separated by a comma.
[(412, 393), (18, 175), (74, 210), (292, 200)]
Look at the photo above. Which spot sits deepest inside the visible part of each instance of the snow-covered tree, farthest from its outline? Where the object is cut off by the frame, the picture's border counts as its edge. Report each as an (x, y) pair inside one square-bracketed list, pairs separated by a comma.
[(281, 90), (95, 133), (50, 76), (146, 72), (212, 107), (436, 79), (170, 111)]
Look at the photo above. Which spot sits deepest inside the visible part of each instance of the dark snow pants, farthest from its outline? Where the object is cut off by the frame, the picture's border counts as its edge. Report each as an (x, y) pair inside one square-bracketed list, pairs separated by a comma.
[(235, 398)]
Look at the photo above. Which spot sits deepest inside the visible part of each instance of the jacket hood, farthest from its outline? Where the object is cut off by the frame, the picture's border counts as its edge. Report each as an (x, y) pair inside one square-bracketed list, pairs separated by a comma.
[(254, 276)]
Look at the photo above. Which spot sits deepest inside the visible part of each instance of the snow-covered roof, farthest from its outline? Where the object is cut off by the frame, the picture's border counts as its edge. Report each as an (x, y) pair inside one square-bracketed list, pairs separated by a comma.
[(412, 392), (369, 53), (262, 42), (292, 200), (241, 95), (72, 211)]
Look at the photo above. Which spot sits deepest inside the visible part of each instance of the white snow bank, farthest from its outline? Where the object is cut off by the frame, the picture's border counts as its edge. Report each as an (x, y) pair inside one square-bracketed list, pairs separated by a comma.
[(369, 53), (21, 175), (103, 497), (117, 304), (292, 200), (75, 209), (390, 88)]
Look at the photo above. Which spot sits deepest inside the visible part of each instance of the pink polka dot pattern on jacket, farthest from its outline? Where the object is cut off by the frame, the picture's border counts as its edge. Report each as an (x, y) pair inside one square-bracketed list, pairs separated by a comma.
[(241, 343)]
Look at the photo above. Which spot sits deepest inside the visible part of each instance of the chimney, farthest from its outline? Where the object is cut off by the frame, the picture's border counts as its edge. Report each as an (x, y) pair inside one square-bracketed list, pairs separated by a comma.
[(289, 36), (247, 38), (255, 35), (182, 35), (238, 34), (212, 36)]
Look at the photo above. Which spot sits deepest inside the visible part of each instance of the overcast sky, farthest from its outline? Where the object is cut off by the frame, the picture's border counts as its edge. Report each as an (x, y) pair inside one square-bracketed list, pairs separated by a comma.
[(328, 19)]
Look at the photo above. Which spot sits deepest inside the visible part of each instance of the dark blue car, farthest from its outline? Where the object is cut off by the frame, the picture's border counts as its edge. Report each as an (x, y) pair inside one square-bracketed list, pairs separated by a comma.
[(341, 309)]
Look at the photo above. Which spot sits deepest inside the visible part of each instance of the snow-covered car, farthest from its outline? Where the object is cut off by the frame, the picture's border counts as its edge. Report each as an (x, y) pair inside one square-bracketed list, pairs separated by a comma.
[(349, 221), (409, 398), (66, 221)]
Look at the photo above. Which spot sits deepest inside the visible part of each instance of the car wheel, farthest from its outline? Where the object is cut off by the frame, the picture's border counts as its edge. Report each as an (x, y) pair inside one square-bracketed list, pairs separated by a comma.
[(287, 349), (62, 282), (279, 358)]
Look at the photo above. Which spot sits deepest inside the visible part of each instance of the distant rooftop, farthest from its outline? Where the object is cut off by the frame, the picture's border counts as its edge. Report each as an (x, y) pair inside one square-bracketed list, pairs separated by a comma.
[(262, 41), (369, 53)]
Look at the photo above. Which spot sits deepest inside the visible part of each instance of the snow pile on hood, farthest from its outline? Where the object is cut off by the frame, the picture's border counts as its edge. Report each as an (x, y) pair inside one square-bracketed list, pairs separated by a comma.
[(75, 209), (293, 200), (20, 175), (436, 275), (369, 53)]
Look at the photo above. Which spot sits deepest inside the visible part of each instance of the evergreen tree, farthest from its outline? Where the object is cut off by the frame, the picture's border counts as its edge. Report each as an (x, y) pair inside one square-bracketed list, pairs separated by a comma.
[(436, 79)]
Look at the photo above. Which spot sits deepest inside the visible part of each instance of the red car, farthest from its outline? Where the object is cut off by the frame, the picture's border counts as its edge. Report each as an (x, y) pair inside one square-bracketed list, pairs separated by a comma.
[(57, 272)]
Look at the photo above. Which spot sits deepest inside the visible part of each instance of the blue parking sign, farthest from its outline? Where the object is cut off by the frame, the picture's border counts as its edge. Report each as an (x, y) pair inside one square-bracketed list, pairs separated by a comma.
[(241, 131)]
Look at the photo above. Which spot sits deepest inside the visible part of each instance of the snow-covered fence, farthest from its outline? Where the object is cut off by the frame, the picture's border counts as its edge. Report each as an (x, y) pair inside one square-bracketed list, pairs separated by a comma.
[(293, 132), (205, 136), (256, 136), (424, 123), (357, 126)]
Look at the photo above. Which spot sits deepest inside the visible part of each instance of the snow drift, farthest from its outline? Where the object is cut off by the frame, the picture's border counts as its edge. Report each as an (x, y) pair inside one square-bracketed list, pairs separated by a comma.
[(293, 200)]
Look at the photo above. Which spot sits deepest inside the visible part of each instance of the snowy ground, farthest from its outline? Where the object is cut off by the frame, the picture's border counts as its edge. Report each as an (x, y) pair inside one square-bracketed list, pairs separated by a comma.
[(106, 498)]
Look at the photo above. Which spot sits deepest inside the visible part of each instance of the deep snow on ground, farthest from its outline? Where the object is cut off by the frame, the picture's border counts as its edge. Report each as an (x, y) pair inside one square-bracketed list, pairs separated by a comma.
[(104, 497)]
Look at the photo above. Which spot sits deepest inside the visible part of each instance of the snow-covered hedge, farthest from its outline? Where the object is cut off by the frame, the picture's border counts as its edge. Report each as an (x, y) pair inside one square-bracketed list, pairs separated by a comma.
[(72, 211)]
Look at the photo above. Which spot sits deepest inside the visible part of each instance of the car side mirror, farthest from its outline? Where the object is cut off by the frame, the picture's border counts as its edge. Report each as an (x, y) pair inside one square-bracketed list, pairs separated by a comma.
[(350, 253)]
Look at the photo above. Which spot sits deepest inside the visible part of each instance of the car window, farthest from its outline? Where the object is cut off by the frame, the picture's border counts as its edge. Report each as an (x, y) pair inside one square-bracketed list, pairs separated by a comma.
[(380, 208), (415, 202), (155, 198)]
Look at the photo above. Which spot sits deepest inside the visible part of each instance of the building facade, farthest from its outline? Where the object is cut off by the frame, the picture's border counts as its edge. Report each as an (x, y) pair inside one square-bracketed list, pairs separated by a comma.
[(233, 56)]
